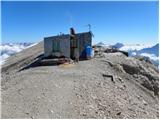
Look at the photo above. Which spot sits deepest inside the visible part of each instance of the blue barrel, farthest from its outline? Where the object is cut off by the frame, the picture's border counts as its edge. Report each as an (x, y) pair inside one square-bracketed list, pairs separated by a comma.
[(89, 52)]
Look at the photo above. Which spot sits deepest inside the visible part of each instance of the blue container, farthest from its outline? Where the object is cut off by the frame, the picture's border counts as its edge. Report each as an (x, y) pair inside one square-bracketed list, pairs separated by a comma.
[(89, 52)]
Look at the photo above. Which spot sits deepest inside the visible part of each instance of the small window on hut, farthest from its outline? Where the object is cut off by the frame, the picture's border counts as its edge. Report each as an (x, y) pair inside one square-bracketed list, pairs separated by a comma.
[(56, 45)]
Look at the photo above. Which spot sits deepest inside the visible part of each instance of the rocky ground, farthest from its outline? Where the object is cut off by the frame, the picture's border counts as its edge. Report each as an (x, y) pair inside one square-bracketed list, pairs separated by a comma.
[(107, 86)]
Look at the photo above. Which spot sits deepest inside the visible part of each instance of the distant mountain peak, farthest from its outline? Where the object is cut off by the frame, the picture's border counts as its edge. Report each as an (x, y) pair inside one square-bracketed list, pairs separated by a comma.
[(100, 44), (118, 45)]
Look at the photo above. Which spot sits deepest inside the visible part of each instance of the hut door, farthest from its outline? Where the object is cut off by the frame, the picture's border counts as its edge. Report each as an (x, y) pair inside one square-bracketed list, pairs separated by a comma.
[(56, 46)]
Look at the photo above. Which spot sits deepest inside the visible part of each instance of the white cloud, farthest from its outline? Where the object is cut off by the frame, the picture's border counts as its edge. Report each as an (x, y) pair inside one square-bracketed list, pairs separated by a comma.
[(131, 47), (151, 56), (133, 53), (10, 49)]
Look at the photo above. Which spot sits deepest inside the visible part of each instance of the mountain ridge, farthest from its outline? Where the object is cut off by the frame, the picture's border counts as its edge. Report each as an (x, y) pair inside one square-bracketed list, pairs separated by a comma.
[(9, 49)]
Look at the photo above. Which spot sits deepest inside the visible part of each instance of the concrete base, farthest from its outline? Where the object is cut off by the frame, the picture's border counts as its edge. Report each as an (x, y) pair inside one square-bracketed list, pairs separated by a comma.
[(54, 61)]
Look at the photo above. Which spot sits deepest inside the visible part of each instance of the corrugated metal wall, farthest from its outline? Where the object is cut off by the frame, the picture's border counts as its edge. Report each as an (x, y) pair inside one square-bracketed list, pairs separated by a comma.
[(84, 39), (63, 41), (57, 46)]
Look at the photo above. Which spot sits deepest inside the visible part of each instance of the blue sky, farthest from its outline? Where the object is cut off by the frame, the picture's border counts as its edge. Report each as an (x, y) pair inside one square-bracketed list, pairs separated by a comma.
[(111, 22)]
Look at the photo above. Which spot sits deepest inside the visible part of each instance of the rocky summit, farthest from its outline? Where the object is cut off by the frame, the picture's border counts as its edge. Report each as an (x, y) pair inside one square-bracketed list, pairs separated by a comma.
[(110, 85)]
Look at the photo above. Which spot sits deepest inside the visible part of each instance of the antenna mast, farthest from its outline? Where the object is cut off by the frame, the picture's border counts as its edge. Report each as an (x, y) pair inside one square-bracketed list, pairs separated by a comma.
[(89, 27)]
